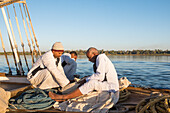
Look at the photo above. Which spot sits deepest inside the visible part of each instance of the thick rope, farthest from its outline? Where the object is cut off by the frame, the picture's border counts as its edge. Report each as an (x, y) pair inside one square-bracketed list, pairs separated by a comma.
[(123, 95), (154, 104), (119, 108), (34, 99)]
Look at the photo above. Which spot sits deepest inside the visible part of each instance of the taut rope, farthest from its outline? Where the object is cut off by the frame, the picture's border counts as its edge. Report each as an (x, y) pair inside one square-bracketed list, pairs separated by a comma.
[(3, 46)]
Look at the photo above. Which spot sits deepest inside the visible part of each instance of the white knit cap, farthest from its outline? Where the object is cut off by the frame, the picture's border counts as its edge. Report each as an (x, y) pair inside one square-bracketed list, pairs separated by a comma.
[(57, 46)]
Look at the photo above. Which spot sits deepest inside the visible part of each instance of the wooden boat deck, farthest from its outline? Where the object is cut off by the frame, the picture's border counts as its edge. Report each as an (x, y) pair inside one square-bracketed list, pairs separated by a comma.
[(11, 86), (137, 94)]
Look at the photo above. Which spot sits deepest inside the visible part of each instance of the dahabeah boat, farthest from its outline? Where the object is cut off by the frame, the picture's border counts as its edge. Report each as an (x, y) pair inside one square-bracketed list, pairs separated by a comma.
[(132, 99)]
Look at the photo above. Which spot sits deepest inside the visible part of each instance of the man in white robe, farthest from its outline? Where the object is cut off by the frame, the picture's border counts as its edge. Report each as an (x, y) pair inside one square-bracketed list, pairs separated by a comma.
[(69, 64), (104, 79), (47, 71)]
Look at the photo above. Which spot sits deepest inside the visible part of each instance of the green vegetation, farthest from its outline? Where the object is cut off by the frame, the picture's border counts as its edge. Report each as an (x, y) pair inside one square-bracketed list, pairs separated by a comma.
[(133, 52), (113, 52)]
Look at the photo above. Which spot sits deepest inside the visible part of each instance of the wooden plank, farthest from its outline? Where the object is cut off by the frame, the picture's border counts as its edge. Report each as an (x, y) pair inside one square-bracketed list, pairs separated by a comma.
[(51, 110), (7, 2), (14, 79), (17, 92), (2, 74), (148, 90)]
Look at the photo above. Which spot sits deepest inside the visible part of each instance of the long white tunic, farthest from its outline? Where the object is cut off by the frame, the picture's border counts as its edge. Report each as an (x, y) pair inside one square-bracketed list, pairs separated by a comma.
[(96, 81), (70, 67), (50, 76)]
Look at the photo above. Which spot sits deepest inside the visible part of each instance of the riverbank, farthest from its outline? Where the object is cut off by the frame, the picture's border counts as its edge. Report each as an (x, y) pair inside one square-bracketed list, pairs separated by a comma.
[(113, 52)]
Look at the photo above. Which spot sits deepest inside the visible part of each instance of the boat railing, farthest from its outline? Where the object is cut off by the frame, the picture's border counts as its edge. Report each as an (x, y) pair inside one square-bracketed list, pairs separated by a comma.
[(17, 11)]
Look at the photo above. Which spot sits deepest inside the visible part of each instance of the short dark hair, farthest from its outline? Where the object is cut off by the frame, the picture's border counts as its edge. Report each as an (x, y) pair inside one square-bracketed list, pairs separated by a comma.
[(92, 50), (73, 52)]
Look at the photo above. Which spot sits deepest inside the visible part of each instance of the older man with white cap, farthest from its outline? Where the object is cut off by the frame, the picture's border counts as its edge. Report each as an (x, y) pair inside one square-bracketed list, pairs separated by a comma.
[(104, 78), (47, 72)]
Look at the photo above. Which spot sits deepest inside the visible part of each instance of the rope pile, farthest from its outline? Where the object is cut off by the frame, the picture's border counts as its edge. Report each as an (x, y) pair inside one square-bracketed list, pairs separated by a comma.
[(33, 99), (123, 95), (118, 109), (160, 104)]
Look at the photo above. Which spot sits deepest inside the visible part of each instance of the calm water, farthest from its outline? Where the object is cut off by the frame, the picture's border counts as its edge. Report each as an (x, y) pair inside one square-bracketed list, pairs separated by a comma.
[(146, 71)]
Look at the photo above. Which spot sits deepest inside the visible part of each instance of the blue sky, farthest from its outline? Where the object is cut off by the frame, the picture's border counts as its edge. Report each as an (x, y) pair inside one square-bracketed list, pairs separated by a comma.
[(104, 24)]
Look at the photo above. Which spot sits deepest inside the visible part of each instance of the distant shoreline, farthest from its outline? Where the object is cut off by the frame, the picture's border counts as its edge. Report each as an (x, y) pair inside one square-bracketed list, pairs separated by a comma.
[(156, 52), (136, 55)]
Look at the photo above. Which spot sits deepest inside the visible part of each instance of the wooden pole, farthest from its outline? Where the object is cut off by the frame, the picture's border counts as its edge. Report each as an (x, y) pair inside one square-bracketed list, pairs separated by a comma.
[(8, 2), (29, 44), (11, 39), (22, 44), (3, 46), (10, 23), (32, 27), (17, 70)]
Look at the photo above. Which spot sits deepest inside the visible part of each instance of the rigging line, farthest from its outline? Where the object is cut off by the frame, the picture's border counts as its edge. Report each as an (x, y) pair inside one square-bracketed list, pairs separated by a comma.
[(34, 50), (22, 44), (29, 44), (3, 46), (10, 23), (15, 61), (25, 6)]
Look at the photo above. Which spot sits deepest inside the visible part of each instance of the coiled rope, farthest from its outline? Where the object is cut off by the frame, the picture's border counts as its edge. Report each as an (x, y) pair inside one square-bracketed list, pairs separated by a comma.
[(123, 95), (154, 104), (119, 108), (34, 99)]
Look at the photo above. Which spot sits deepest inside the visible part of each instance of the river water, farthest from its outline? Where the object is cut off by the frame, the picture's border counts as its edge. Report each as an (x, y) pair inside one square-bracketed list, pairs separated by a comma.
[(145, 71)]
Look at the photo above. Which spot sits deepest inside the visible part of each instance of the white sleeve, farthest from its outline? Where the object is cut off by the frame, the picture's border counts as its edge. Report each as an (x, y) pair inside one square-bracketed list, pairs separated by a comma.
[(50, 62), (100, 72)]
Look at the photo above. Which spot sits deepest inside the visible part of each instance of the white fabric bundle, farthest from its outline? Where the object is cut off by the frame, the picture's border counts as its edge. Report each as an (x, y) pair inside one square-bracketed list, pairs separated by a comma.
[(96, 102), (99, 102)]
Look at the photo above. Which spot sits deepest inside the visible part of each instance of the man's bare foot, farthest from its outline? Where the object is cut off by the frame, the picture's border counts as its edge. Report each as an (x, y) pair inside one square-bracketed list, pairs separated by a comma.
[(58, 98)]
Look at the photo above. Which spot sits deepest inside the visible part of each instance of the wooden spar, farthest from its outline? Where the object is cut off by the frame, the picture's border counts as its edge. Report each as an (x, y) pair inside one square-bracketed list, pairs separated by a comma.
[(34, 50), (25, 6), (3, 46), (29, 44), (8, 2), (11, 28), (15, 43), (18, 72), (11, 39), (19, 31)]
